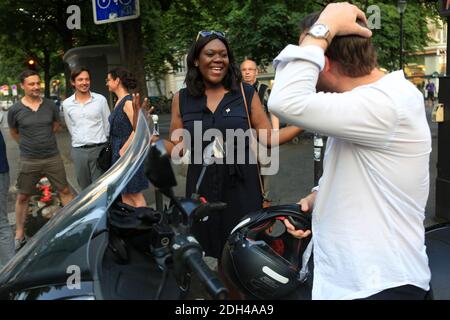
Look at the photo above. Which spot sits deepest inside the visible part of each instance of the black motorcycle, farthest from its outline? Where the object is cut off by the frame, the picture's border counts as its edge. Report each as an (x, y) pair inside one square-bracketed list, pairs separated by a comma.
[(99, 248)]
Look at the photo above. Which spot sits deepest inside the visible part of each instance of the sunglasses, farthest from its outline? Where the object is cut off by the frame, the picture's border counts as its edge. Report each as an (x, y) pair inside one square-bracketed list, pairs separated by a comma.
[(205, 33)]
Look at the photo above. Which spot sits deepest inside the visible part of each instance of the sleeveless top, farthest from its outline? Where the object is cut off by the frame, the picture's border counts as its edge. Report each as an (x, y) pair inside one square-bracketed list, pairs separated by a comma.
[(121, 129), (233, 183)]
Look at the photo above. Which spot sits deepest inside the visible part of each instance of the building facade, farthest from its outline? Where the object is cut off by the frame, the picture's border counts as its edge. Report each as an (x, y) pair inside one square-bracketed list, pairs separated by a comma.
[(431, 62)]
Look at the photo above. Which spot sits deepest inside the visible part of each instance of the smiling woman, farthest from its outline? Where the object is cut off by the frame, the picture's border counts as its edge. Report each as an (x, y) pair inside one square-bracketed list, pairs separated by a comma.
[(213, 99), (212, 87), (210, 62)]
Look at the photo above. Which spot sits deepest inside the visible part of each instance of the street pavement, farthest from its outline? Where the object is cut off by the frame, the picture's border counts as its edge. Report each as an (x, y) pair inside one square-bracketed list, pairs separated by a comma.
[(294, 179)]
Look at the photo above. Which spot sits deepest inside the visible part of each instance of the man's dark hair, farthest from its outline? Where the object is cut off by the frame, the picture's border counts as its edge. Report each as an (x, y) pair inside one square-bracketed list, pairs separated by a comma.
[(127, 79), (194, 79), (355, 54), (27, 73), (77, 71)]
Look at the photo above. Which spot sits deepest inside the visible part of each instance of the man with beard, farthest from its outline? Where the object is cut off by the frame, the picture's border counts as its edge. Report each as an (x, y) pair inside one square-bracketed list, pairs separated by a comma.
[(32, 122)]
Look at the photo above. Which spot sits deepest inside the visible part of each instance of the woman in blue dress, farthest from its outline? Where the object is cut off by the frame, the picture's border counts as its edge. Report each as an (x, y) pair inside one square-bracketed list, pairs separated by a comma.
[(120, 81)]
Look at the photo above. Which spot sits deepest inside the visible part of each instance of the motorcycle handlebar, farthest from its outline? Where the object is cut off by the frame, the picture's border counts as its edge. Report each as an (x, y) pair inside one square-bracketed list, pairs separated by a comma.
[(194, 260), (208, 208)]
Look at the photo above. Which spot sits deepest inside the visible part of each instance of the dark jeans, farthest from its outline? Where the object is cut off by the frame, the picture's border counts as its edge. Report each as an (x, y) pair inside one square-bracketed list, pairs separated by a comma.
[(407, 292), (6, 234)]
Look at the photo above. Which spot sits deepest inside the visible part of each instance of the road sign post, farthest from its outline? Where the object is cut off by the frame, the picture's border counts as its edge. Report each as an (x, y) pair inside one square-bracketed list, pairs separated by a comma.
[(129, 33), (108, 11)]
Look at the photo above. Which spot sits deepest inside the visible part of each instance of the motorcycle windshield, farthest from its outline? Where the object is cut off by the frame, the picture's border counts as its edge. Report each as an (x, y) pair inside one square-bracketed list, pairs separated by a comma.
[(62, 244)]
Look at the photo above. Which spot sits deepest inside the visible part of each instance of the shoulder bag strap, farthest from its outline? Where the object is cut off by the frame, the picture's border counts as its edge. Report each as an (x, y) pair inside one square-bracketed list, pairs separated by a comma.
[(251, 142)]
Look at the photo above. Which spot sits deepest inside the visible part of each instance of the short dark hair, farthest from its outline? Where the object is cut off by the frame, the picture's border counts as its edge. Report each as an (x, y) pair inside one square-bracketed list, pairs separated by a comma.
[(356, 55), (194, 79), (77, 71), (27, 73), (126, 77)]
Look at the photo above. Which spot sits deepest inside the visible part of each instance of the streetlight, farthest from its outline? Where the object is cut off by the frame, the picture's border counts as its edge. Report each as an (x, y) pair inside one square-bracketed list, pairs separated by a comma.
[(31, 64), (401, 7)]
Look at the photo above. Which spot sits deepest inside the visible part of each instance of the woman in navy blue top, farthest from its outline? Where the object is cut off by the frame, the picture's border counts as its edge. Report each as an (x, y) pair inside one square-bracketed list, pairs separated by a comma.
[(121, 81), (212, 99)]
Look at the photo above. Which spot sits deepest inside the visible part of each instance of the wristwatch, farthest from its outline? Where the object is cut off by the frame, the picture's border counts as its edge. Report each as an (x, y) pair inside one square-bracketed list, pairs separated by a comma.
[(320, 31)]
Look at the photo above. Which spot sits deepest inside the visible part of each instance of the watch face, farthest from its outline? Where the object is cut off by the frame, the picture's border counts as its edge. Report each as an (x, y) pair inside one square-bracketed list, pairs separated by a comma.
[(319, 30)]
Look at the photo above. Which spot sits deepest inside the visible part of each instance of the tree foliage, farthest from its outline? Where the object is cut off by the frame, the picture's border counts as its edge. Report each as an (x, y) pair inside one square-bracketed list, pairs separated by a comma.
[(38, 29), (257, 29), (415, 25)]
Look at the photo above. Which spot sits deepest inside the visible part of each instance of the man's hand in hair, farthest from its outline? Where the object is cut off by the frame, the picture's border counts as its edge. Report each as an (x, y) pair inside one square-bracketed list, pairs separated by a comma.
[(341, 18)]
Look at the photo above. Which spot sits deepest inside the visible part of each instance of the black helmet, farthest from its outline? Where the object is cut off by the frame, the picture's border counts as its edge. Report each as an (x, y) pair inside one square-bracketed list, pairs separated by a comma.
[(261, 259)]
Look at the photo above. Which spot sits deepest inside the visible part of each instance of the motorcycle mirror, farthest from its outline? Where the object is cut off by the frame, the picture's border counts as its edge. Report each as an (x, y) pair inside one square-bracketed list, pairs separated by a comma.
[(158, 169)]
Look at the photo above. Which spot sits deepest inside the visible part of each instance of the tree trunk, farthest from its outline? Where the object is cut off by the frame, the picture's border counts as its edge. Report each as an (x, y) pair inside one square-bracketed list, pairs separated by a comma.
[(133, 51), (67, 45), (47, 73)]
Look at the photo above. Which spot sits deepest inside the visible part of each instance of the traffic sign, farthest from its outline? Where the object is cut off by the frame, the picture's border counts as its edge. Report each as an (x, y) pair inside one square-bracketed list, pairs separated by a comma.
[(14, 90), (107, 11), (5, 89)]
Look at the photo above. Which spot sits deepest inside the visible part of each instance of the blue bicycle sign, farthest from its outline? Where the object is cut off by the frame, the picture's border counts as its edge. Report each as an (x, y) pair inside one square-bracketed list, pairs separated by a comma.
[(107, 11)]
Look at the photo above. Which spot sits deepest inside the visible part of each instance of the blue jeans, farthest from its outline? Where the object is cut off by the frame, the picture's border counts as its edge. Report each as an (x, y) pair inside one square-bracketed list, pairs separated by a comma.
[(6, 235)]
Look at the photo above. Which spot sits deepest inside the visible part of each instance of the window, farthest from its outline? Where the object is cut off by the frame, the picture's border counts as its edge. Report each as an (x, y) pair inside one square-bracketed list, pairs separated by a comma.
[(181, 65)]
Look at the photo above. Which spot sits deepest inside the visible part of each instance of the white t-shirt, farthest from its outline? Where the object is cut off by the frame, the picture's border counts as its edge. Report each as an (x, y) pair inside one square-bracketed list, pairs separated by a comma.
[(367, 223)]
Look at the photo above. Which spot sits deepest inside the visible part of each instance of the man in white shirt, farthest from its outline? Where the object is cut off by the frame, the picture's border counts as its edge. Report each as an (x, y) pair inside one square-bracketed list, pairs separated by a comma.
[(368, 210), (86, 114)]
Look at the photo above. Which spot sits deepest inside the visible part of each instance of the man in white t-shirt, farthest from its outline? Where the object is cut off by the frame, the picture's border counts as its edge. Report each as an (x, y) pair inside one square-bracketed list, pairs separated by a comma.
[(368, 210)]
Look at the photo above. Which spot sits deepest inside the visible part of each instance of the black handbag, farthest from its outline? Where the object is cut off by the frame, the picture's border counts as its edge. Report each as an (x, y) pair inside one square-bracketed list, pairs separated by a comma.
[(105, 157)]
